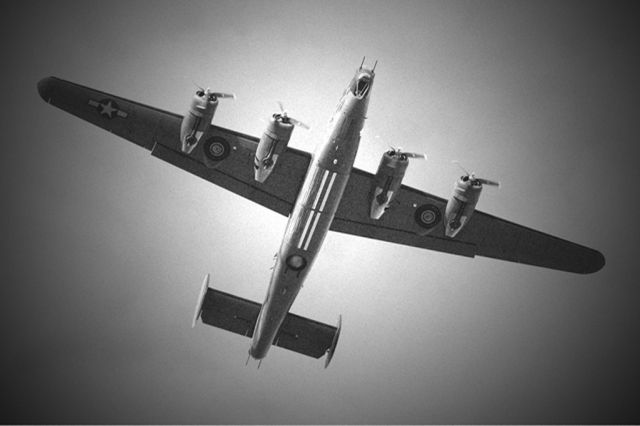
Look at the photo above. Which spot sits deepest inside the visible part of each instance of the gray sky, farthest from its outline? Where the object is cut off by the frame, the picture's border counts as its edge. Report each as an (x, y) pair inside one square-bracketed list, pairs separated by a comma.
[(104, 247)]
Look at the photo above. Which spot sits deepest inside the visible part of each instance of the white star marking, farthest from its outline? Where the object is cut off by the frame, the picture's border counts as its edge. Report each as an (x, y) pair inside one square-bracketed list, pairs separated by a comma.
[(108, 109)]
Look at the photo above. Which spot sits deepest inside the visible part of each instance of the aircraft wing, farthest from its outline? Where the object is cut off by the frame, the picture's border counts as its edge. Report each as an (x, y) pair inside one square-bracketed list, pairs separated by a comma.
[(416, 219), (159, 131)]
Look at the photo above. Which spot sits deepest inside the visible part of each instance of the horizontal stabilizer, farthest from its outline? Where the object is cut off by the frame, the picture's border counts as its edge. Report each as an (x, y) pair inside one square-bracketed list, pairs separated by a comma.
[(229, 312), (305, 336), (298, 334)]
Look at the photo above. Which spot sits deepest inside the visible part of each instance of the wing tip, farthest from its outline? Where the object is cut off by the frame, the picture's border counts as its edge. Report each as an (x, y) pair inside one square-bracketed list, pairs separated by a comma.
[(588, 261), (595, 262)]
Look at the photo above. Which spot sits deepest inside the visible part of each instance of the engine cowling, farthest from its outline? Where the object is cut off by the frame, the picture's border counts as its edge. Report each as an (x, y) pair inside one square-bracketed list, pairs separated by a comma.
[(196, 122), (461, 205), (273, 142), (387, 181)]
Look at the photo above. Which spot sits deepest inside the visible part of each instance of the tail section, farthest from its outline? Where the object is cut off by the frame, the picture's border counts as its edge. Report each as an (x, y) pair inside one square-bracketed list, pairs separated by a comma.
[(298, 334)]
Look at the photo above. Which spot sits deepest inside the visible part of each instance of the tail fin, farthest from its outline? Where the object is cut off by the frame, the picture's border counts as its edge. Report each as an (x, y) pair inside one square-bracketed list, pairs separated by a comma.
[(203, 291)]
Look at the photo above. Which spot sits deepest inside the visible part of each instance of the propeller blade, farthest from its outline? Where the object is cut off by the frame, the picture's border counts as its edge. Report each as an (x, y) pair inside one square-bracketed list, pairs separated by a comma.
[(223, 95), (456, 162), (298, 123), (417, 155), (208, 91), (287, 119), (399, 151), (198, 86), (488, 182)]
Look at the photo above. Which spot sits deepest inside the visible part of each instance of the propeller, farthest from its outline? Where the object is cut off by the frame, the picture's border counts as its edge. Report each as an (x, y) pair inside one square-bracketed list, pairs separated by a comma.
[(475, 180), (398, 151), (212, 96), (286, 119), (221, 95)]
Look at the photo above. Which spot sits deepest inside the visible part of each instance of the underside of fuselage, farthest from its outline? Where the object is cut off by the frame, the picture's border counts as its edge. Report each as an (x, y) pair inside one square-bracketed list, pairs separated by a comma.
[(315, 207)]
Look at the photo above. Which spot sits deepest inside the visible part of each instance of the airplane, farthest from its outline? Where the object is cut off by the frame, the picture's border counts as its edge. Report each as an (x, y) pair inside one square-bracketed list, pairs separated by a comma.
[(318, 192)]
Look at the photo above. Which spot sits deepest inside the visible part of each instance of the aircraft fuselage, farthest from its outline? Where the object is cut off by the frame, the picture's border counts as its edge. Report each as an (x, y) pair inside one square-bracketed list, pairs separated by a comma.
[(315, 207)]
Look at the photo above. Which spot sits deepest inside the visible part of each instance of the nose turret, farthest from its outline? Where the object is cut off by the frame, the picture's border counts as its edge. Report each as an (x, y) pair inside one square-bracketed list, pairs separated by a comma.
[(363, 80), (362, 83)]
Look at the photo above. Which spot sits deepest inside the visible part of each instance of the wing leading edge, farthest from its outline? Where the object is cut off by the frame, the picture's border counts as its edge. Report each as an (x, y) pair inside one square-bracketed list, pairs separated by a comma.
[(415, 219)]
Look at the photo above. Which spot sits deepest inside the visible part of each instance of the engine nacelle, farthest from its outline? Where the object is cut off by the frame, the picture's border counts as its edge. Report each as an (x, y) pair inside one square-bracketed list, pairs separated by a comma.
[(197, 120), (461, 205), (273, 142), (387, 181)]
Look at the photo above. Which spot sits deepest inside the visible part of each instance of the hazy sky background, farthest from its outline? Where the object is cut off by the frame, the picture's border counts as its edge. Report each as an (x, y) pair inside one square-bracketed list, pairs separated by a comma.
[(104, 247)]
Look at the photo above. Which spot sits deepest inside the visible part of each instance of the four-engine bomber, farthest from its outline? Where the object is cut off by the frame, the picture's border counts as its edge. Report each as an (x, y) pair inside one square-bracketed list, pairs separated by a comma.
[(197, 120), (310, 194), (388, 179)]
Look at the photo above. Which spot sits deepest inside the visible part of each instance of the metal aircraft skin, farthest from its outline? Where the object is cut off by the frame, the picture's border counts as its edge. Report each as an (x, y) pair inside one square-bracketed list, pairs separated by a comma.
[(314, 210), (318, 193)]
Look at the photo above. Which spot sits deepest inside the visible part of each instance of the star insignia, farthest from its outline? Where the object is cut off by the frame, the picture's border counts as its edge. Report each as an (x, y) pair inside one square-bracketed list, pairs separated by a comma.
[(108, 108)]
